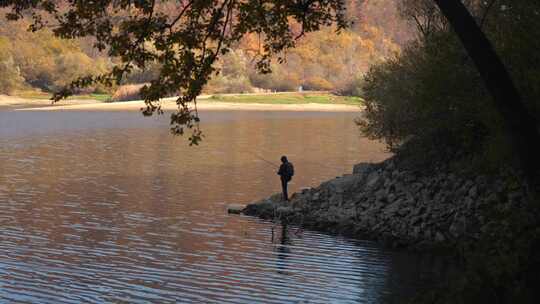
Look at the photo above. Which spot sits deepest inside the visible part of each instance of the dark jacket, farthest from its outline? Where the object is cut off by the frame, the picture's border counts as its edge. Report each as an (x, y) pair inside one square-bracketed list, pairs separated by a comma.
[(284, 172)]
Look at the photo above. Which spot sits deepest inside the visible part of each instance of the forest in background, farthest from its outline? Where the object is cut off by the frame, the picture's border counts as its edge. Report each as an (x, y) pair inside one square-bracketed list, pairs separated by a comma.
[(39, 61)]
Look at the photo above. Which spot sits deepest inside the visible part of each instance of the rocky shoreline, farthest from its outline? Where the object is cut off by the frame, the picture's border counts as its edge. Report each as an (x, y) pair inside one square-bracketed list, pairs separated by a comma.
[(397, 206)]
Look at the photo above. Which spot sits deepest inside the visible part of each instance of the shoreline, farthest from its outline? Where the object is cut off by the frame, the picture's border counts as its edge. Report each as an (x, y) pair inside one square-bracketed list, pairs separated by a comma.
[(18, 103), (389, 203), (204, 102), (201, 105)]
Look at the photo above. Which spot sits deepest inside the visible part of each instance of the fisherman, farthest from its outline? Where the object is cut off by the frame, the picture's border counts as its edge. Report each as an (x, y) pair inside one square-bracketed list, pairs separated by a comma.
[(286, 172)]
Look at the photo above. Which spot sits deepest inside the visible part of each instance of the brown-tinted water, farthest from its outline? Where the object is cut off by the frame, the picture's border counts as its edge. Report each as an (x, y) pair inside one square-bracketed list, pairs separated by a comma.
[(108, 207)]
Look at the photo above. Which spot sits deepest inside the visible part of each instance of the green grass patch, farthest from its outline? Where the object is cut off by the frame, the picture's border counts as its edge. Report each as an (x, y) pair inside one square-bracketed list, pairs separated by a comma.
[(98, 97), (288, 98), (34, 94)]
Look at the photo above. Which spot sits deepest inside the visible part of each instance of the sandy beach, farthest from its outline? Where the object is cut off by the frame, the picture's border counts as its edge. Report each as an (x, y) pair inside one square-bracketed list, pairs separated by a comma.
[(203, 103), (15, 102)]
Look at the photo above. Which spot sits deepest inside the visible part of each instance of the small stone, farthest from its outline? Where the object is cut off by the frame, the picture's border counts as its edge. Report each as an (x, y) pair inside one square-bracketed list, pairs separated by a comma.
[(284, 210), (235, 208), (404, 211), (439, 237), (392, 208), (458, 227), (469, 202), (416, 220), (492, 198), (362, 168), (473, 192), (372, 179), (381, 195), (336, 199)]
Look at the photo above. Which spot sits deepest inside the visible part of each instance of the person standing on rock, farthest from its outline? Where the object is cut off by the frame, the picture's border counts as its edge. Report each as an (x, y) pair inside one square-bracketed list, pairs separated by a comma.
[(286, 172)]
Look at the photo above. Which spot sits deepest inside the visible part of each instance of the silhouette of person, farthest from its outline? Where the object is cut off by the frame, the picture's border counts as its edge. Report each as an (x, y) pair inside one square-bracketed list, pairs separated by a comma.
[(285, 176)]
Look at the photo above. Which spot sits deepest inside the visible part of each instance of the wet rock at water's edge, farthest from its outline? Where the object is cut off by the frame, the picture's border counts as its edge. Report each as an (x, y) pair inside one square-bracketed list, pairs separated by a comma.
[(235, 208)]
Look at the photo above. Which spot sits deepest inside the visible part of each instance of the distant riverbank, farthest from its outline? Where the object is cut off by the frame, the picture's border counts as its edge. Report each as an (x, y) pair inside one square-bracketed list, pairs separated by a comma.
[(17, 102), (311, 101)]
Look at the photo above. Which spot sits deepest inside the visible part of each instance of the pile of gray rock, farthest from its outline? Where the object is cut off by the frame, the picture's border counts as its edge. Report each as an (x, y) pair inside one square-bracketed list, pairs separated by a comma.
[(398, 206)]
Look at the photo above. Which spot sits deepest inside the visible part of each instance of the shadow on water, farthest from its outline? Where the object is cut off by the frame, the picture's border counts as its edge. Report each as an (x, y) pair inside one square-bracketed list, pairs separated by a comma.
[(420, 271), (282, 249)]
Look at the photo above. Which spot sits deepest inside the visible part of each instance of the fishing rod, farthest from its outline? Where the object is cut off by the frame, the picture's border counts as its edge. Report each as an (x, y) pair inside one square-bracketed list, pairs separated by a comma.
[(264, 160), (277, 166)]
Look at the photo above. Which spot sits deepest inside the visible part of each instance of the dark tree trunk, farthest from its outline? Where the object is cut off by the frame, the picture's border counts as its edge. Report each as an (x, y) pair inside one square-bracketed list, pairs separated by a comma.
[(520, 124)]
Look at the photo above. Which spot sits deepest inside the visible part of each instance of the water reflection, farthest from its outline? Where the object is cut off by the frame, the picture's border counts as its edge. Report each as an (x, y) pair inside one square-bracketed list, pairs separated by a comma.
[(105, 207)]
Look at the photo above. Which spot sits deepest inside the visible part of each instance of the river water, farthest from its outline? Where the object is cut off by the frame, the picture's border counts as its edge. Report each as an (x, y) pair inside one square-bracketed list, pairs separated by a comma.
[(108, 207)]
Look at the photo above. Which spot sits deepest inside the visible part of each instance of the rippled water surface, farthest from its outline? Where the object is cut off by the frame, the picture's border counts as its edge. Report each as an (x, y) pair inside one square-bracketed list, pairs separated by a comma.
[(108, 207)]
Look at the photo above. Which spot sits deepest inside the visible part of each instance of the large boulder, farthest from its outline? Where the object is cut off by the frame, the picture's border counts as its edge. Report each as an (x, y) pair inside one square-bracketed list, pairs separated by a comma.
[(374, 179), (362, 168), (264, 209), (342, 184)]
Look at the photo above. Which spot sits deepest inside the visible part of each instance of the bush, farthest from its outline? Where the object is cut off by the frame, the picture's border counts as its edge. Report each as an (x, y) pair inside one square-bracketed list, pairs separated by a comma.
[(224, 84), (143, 76), (128, 92), (352, 87), (279, 80), (10, 79), (103, 89), (431, 93), (318, 84)]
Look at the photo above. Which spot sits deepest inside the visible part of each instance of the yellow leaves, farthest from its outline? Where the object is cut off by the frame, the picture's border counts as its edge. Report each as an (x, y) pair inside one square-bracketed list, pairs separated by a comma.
[(251, 44), (44, 60), (325, 60), (319, 83)]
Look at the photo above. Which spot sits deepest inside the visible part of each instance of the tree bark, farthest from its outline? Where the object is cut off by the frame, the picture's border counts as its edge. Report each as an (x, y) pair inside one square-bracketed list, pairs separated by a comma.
[(520, 124)]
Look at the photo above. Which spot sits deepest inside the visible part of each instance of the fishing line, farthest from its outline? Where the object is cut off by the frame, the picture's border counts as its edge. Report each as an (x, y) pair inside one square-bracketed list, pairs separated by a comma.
[(277, 166), (263, 159)]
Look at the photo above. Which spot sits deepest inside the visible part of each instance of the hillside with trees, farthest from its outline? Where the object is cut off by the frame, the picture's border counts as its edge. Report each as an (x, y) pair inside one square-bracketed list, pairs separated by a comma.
[(321, 61), (39, 60)]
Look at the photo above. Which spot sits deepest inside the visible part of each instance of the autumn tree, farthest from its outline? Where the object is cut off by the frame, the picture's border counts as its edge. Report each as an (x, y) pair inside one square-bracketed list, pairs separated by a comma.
[(11, 77), (44, 60)]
